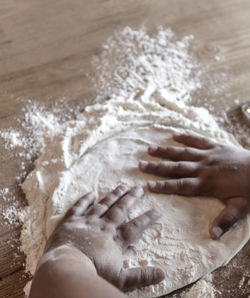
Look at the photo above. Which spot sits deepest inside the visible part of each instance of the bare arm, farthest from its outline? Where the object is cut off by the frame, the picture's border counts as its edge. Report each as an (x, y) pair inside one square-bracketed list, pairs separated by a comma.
[(65, 272)]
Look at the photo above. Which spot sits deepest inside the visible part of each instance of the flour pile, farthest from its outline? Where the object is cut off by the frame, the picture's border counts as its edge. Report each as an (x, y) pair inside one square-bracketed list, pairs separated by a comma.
[(149, 82), (133, 63)]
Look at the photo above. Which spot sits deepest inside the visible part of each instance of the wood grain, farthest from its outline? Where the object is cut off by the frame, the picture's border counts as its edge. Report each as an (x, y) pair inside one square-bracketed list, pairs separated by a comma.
[(45, 55)]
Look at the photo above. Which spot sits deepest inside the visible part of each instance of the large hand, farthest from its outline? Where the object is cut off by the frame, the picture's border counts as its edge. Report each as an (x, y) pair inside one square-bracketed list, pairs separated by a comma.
[(208, 169), (100, 233)]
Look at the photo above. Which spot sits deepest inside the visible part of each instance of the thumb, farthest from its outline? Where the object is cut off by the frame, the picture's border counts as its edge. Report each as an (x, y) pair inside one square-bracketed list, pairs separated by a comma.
[(140, 277), (235, 209)]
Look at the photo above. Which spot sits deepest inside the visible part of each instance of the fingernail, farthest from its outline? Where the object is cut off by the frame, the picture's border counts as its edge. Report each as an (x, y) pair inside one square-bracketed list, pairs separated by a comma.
[(151, 184), (152, 148), (154, 213), (137, 191), (143, 164), (217, 232)]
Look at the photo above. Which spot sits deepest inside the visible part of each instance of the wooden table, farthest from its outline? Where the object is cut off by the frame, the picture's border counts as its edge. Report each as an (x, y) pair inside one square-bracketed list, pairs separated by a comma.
[(45, 55)]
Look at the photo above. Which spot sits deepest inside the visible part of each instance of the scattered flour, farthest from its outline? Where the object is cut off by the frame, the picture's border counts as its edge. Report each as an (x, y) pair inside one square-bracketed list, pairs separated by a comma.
[(12, 139), (134, 63), (13, 215), (149, 81), (202, 289), (26, 142), (4, 193)]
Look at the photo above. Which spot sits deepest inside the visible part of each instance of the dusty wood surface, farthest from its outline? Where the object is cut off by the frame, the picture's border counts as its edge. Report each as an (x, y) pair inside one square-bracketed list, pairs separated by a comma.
[(45, 53)]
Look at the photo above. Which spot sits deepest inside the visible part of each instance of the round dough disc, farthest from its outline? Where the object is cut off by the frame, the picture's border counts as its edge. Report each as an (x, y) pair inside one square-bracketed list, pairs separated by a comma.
[(179, 242)]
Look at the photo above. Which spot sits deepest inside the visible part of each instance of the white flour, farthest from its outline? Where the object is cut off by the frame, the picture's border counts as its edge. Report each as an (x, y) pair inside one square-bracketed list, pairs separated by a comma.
[(134, 63), (149, 81), (202, 289)]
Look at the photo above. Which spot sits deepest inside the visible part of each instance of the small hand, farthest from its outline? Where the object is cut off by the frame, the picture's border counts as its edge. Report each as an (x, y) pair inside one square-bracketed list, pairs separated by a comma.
[(208, 169), (100, 233)]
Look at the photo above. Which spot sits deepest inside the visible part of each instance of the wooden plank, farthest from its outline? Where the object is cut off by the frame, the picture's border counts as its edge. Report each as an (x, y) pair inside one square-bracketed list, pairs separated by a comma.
[(45, 54)]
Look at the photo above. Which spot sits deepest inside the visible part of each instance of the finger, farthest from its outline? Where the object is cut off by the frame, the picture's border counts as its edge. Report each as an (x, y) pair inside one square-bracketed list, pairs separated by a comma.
[(170, 168), (182, 186), (119, 211), (176, 153), (140, 277), (81, 205), (194, 141), (100, 208), (133, 229), (236, 209)]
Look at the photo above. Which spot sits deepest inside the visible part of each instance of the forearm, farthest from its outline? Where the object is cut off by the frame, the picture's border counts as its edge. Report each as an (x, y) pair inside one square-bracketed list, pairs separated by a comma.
[(66, 272)]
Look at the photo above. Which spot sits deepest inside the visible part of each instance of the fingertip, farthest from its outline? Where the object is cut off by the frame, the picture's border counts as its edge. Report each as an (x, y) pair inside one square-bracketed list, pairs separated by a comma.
[(160, 275), (154, 214)]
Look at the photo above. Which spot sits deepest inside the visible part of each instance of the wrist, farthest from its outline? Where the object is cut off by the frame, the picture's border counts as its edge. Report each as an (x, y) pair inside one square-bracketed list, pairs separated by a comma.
[(63, 254)]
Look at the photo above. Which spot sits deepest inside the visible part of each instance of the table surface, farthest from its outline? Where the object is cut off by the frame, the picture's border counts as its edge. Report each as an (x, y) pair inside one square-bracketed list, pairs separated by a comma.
[(45, 55)]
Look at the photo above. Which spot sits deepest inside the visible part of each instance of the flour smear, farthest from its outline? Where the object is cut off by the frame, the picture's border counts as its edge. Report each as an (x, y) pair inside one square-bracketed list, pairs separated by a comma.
[(148, 81)]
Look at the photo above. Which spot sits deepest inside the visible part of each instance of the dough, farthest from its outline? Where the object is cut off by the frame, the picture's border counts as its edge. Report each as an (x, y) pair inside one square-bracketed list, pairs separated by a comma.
[(100, 150)]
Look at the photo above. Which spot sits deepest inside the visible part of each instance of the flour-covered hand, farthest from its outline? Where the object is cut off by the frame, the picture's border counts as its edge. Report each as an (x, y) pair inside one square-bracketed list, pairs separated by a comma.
[(99, 231), (204, 168)]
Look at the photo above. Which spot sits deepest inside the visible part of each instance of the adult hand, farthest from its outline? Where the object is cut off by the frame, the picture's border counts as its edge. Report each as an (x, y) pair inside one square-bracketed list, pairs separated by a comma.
[(208, 169), (99, 232)]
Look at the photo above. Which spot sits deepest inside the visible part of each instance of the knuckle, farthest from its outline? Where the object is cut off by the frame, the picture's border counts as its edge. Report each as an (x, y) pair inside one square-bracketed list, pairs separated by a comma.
[(209, 161), (199, 185), (162, 185), (144, 276), (154, 166), (178, 167), (116, 213), (121, 282), (108, 228), (180, 185), (161, 168), (185, 151), (127, 233), (101, 207), (135, 224), (120, 208), (169, 151)]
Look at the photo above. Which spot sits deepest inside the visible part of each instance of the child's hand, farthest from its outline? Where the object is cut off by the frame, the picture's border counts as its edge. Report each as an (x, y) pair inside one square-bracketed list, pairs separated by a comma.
[(100, 233), (204, 168)]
